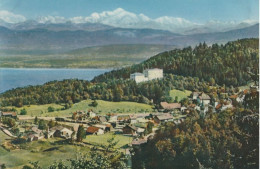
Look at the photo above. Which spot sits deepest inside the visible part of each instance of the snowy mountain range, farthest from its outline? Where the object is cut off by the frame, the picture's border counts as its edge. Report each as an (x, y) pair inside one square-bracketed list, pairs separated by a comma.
[(119, 18)]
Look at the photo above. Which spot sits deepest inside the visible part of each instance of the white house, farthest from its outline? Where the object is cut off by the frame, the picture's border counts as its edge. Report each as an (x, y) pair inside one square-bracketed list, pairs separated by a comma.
[(138, 77), (66, 133), (204, 98), (148, 74), (91, 114), (153, 73)]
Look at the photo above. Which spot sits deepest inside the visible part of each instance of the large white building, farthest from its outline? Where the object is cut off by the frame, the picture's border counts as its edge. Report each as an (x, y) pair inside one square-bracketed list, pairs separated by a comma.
[(148, 74)]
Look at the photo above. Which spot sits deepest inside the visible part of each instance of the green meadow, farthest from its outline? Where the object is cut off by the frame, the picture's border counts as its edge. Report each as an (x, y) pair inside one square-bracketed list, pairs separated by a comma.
[(100, 140), (46, 152), (180, 94), (102, 108)]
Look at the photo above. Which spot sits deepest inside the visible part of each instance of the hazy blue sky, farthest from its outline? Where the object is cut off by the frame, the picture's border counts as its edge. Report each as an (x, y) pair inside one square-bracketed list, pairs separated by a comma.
[(193, 10)]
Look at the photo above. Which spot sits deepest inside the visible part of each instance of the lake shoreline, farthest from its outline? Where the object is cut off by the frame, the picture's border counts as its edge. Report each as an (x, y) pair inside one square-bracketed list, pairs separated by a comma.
[(51, 68), (12, 78)]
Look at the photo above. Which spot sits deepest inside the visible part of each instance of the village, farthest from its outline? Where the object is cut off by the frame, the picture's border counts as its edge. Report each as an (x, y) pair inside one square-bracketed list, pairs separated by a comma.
[(139, 127)]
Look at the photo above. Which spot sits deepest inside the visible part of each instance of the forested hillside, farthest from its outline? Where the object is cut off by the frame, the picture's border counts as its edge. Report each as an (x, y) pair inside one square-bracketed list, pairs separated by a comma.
[(196, 69), (73, 91), (224, 64)]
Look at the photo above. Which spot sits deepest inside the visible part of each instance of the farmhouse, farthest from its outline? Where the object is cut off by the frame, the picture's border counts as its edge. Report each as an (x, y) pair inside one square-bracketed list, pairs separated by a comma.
[(195, 95), (163, 118), (34, 137), (201, 97), (94, 130), (205, 99), (61, 131), (91, 114), (105, 126), (130, 129), (123, 119), (8, 114)]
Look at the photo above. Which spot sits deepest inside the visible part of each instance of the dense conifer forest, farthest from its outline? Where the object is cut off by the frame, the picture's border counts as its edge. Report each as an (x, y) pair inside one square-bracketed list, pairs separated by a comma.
[(224, 64)]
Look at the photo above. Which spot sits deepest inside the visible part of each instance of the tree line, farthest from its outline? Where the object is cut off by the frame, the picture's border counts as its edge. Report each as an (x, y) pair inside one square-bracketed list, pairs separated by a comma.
[(72, 91)]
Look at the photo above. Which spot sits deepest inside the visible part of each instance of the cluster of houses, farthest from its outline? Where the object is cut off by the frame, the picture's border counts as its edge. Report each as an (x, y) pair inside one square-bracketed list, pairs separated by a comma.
[(126, 124), (131, 124), (35, 134), (147, 75), (202, 102)]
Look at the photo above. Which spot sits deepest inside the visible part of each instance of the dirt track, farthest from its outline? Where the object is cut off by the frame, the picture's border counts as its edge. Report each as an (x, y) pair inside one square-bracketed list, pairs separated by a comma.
[(31, 118)]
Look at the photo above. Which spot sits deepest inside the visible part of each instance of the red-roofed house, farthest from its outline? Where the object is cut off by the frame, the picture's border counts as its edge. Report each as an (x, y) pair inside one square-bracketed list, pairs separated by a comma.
[(94, 130)]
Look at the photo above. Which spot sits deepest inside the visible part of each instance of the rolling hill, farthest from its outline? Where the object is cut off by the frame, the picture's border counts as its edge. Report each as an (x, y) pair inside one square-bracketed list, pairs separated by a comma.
[(99, 47)]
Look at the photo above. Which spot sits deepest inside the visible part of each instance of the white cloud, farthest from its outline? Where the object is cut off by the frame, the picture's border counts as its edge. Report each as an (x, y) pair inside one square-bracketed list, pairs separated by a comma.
[(118, 17), (121, 18), (124, 19), (10, 17), (51, 19)]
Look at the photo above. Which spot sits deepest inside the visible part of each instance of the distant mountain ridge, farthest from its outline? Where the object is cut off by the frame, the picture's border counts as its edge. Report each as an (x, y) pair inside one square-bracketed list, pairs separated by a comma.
[(121, 18), (65, 40)]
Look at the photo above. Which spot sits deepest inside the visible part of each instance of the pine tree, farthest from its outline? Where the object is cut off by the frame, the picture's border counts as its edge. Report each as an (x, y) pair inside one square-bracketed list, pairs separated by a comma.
[(81, 133), (36, 120)]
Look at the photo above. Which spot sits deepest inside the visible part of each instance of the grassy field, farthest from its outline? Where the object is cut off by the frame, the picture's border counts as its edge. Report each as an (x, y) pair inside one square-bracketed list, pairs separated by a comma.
[(103, 107), (36, 151), (3, 137), (180, 94), (38, 109), (102, 139)]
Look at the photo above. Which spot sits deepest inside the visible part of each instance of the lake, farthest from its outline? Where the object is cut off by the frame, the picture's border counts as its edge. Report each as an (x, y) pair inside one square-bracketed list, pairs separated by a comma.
[(11, 78)]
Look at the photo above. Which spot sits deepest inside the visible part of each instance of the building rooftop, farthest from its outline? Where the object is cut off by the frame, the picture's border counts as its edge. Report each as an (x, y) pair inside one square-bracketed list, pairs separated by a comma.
[(165, 117), (139, 141), (153, 69), (92, 129), (138, 74), (170, 106), (9, 113), (132, 127), (204, 96)]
